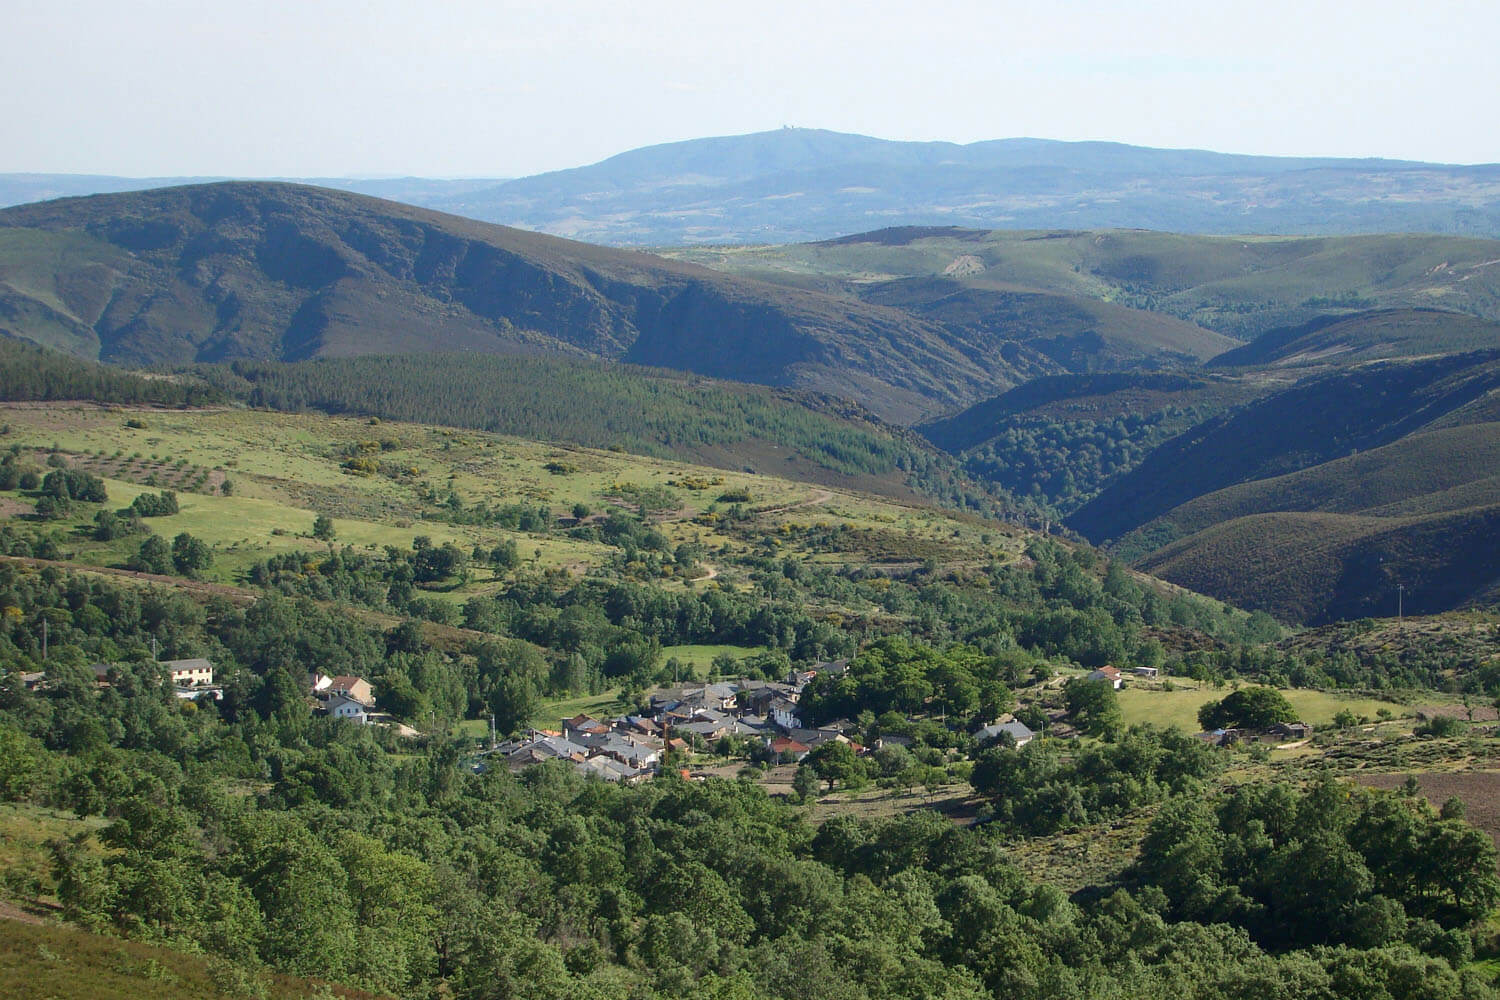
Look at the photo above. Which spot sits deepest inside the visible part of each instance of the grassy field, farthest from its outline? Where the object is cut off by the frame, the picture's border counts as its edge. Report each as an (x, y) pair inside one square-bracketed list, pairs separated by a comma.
[(700, 658), (25, 860), (1179, 707), (600, 706)]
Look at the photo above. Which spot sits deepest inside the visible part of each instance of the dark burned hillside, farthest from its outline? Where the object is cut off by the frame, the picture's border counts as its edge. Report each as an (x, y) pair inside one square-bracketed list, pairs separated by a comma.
[(1317, 420), (1365, 336)]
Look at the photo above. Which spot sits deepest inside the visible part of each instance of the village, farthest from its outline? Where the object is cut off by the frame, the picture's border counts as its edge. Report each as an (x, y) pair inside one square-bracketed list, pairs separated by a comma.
[(762, 720)]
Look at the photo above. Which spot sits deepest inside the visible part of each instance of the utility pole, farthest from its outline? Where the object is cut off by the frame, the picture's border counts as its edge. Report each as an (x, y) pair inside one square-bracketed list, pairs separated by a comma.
[(1400, 601)]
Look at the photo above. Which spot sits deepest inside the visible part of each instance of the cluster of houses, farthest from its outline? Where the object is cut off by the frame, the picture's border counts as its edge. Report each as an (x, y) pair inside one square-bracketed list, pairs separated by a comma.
[(630, 748)]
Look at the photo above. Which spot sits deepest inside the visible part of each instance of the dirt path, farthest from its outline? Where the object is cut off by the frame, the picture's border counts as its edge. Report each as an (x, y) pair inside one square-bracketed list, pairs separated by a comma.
[(818, 497), (10, 911)]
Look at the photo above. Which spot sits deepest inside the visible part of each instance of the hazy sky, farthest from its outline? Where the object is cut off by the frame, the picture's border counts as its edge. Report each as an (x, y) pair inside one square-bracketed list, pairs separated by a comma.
[(495, 88)]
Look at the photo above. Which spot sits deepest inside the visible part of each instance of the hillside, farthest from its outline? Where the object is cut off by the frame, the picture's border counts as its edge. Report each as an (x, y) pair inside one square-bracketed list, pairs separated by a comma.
[(690, 418), (1335, 540), (644, 411), (478, 585), (1061, 439), (1097, 398), (1366, 336), (1240, 286), (1317, 568), (274, 271), (45, 961), (1319, 419), (1047, 333)]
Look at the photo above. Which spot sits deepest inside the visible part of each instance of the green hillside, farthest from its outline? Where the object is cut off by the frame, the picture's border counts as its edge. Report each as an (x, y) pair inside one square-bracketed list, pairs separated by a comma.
[(1240, 286), (1046, 332), (1334, 540), (1098, 397), (1422, 473), (1061, 439), (31, 373), (645, 411)]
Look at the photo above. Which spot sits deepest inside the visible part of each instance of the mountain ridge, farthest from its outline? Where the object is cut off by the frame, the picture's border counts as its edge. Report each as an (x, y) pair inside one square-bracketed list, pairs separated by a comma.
[(271, 271), (796, 184)]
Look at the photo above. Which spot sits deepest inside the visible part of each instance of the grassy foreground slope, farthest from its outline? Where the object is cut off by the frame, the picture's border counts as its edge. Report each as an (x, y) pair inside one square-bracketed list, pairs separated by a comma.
[(803, 436), (470, 488), (661, 413)]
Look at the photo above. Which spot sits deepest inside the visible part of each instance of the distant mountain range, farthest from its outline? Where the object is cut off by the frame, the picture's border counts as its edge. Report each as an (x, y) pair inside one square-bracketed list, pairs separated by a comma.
[(810, 184)]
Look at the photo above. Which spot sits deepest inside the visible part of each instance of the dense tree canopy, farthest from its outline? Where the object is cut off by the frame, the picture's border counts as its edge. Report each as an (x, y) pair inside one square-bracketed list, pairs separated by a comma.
[(1250, 707)]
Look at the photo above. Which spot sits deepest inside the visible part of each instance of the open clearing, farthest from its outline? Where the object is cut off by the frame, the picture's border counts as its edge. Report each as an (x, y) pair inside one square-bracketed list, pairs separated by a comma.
[(1179, 707)]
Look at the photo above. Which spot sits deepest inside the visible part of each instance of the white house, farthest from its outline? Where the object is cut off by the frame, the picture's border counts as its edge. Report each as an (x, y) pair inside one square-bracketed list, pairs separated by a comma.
[(1110, 675), (353, 687), (341, 706), (785, 713), (186, 673)]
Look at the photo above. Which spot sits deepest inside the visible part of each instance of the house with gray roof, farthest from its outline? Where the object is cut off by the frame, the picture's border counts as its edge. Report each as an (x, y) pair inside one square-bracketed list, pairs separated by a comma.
[(1017, 731)]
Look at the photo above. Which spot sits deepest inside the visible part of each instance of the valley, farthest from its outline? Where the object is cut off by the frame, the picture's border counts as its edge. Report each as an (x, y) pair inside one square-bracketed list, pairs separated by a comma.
[(921, 612)]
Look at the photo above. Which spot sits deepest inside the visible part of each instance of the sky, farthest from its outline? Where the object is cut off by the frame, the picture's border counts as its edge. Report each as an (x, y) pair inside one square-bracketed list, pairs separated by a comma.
[(337, 88)]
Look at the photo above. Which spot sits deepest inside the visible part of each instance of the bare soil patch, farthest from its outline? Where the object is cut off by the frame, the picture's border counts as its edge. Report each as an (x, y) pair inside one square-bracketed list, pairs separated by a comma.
[(10, 911), (1479, 791)]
